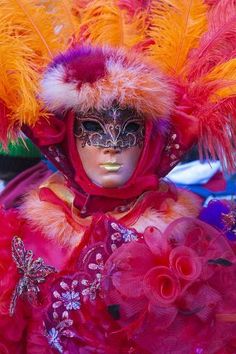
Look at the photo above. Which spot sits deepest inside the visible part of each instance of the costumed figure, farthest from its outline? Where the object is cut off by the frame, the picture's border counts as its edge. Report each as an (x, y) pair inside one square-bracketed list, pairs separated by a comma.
[(105, 256)]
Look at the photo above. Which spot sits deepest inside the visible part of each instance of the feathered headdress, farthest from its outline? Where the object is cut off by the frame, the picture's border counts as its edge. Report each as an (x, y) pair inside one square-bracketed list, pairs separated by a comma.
[(177, 59)]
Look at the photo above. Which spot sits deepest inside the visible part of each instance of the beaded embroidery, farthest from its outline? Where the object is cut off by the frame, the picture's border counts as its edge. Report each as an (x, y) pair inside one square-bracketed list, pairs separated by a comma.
[(71, 291), (33, 272)]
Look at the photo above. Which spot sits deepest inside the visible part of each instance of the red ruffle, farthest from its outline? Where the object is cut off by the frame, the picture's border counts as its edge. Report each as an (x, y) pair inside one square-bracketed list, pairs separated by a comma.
[(175, 290)]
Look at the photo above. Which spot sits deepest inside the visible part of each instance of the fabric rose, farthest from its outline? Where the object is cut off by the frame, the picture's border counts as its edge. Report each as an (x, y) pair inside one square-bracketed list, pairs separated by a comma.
[(127, 267), (161, 285), (174, 287), (185, 263)]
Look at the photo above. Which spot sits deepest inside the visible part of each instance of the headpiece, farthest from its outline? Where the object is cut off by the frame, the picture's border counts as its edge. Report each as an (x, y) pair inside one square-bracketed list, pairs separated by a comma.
[(172, 65)]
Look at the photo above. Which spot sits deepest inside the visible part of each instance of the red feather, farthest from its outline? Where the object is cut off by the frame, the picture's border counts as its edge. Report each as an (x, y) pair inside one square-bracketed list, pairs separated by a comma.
[(219, 42), (4, 123), (133, 6)]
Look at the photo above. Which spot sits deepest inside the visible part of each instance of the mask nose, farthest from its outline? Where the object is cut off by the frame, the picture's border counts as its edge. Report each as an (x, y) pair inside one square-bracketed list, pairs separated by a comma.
[(113, 150)]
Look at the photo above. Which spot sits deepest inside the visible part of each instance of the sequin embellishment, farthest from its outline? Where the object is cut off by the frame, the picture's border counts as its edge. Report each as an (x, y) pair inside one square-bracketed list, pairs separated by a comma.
[(33, 272)]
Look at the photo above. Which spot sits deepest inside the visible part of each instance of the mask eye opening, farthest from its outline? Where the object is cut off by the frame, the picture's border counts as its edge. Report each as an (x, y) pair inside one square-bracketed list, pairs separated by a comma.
[(92, 126), (132, 127)]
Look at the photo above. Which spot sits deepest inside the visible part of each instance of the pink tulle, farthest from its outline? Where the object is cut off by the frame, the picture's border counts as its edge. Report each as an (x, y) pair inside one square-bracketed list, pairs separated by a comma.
[(185, 288)]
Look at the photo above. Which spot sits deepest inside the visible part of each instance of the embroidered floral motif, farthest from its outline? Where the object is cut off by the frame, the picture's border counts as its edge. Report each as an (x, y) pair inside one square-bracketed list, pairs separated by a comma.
[(91, 287), (55, 334), (33, 272), (69, 299), (54, 339), (73, 291), (99, 265), (94, 266), (122, 234)]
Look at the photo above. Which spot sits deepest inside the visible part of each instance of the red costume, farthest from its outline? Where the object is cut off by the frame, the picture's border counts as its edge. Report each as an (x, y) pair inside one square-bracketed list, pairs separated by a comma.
[(89, 265)]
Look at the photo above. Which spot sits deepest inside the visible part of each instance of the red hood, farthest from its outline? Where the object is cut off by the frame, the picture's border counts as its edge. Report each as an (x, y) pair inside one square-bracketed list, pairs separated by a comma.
[(160, 154)]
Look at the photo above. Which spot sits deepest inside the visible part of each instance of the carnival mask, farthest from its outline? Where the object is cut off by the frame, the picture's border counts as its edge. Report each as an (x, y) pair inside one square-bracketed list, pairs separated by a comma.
[(111, 128), (109, 144)]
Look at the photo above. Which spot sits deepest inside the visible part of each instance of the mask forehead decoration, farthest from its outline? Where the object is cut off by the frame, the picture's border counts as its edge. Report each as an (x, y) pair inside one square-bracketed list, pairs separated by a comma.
[(114, 127)]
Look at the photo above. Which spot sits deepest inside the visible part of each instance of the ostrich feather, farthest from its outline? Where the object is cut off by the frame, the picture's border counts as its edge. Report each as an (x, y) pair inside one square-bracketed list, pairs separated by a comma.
[(176, 26), (218, 44), (133, 6), (217, 132), (27, 45), (213, 104), (30, 35), (18, 85), (105, 23), (224, 78), (31, 23), (65, 16)]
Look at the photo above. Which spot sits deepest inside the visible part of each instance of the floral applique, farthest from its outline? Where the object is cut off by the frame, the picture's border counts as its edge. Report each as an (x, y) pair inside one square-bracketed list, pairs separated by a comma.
[(68, 298), (91, 287), (122, 235), (94, 266), (55, 334), (166, 283), (70, 292), (33, 272), (65, 299)]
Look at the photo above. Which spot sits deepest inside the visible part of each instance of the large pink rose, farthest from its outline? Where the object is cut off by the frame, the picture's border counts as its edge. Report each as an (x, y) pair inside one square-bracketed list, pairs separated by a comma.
[(127, 267), (185, 263), (161, 285)]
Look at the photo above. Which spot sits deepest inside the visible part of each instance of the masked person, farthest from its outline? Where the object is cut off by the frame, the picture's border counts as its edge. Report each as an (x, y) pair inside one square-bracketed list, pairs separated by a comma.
[(104, 256)]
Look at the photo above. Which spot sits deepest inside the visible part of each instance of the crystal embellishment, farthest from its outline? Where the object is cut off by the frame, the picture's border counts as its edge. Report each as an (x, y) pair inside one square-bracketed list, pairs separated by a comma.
[(68, 299), (33, 272), (121, 234), (56, 334)]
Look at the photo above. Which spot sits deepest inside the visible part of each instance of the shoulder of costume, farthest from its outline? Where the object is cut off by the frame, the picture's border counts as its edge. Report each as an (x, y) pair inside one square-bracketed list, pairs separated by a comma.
[(49, 209)]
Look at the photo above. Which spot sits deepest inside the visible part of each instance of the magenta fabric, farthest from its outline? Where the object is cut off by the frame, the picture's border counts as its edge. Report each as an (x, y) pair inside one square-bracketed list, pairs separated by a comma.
[(22, 183)]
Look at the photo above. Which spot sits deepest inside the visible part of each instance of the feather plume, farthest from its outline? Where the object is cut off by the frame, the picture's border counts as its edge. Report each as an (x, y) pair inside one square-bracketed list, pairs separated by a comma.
[(218, 44), (217, 133), (212, 99), (104, 22), (29, 39), (27, 44), (65, 16), (31, 23), (224, 78), (134, 6), (176, 26), (217, 116), (18, 84)]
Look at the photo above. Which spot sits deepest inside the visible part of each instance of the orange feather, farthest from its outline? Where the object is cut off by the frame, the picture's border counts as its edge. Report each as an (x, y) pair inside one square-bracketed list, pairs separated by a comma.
[(30, 35), (176, 26), (105, 23)]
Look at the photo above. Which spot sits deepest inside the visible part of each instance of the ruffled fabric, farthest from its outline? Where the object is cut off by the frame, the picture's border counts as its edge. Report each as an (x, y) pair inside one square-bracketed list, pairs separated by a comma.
[(175, 291), (50, 210), (121, 289)]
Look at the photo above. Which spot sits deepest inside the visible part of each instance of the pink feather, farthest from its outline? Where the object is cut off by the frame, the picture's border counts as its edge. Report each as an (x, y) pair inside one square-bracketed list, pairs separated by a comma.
[(133, 6), (218, 44), (216, 127)]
